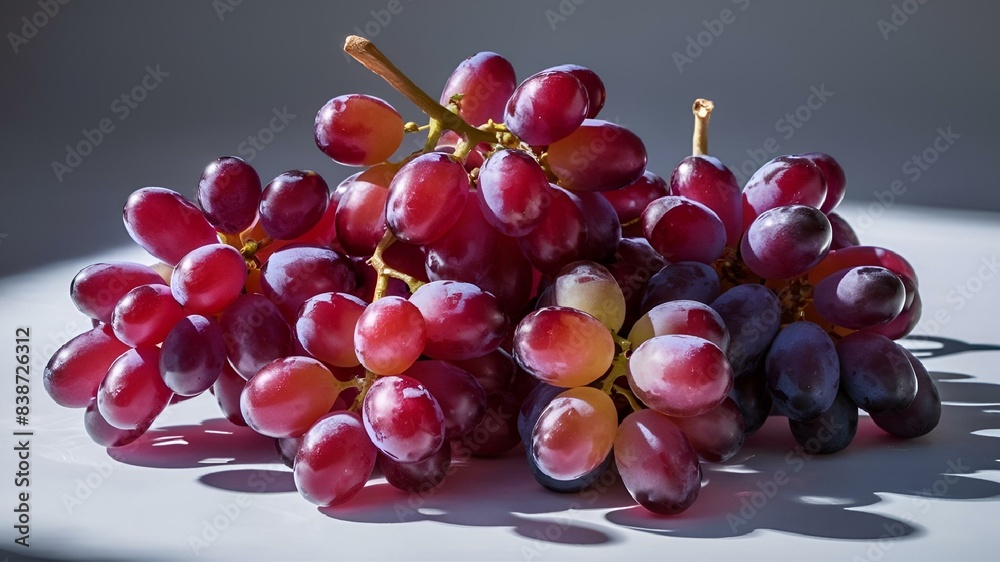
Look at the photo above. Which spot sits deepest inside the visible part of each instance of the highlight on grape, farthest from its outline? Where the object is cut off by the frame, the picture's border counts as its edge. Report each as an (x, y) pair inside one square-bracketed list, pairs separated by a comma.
[(640, 324)]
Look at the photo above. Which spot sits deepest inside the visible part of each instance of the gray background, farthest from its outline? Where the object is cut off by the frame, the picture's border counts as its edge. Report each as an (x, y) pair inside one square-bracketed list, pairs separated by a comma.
[(229, 72)]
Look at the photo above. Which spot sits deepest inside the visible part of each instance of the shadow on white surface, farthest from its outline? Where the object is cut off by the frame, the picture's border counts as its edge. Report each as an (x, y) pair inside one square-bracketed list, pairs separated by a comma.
[(773, 485)]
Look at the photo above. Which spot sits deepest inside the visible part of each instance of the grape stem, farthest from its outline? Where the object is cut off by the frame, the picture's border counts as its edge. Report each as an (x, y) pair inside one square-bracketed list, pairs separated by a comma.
[(702, 110), (362, 385), (385, 272), (365, 52)]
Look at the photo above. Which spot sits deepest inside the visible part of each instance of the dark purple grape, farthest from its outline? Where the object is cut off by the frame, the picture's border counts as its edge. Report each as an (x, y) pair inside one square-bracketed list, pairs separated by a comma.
[(803, 372), (293, 203), (876, 373), (750, 394), (860, 297), (689, 280), (193, 355), (255, 334), (786, 242), (753, 316), (417, 477), (229, 193), (832, 431), (295, 274), (604, 230), (843, 235), (922, 415)]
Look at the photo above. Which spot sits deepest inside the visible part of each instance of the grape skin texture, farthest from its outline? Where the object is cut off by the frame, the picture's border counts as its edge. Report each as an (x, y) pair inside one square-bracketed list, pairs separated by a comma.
[(598, 156), (334, 460), (403, 419), (209, 279), (293, 203), (358, 130), (133, 394), (679, 375), (229, 193), (876, 373), (97, 288), (803, 371), (786, 242), (287, 396), (75, 371), (684, 230), (657, 463), (922, 415), (860, 297), (546, 107), (165, 224), (485, 81), (426, 197), (563, 346), (708, 181), (574, 433), (390, 336)]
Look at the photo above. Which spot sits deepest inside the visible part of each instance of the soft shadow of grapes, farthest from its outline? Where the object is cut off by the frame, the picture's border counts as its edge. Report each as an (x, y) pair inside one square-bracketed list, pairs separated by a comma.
[(212, 442), (776, 485), (492, 493)]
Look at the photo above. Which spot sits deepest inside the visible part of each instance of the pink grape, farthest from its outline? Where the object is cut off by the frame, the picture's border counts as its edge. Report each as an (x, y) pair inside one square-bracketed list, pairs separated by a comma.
[(513, 192), (680, 375), (165, 224), (563, 346), (325, 328), (462, 321), (485, 81), (133, 393), (546, 107), (76, 369), (426, 197), (97, 288), (403, 419), (334, 460), (287, 396), (574, 433), (390, 336), (145, 315), (209, 279), (358, 130), (657, 463)]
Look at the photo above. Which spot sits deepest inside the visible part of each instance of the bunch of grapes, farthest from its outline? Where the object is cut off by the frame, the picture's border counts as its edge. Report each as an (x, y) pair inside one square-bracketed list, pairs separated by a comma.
[(761, 301), (521, 278)]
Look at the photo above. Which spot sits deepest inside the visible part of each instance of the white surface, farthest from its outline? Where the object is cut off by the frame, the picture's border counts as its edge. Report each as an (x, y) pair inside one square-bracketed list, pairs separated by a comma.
[(881, 499)]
